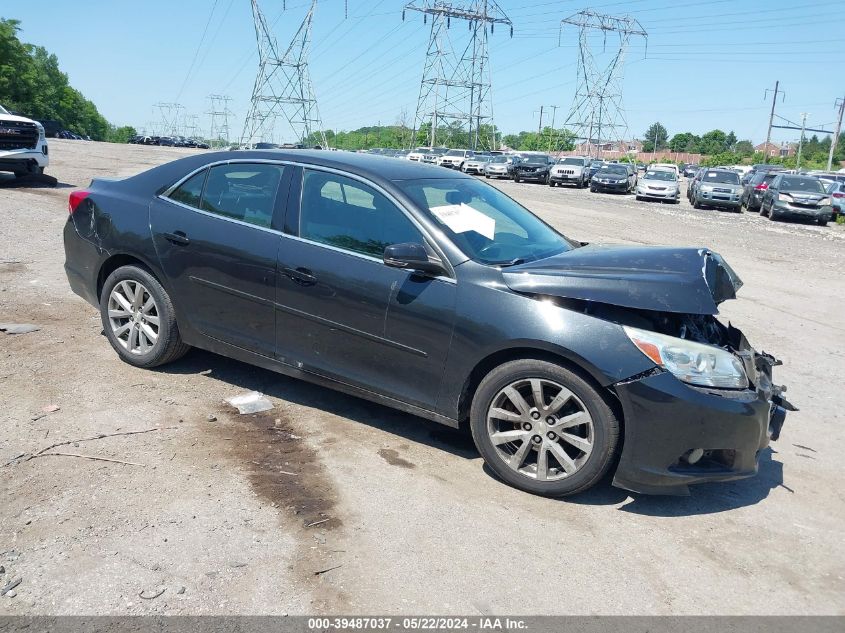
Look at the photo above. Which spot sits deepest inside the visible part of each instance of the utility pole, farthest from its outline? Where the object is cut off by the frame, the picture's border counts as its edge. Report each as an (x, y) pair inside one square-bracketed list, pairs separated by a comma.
[(835, 139), (801, 139), (552, 130), (771, 119), (540, 125)]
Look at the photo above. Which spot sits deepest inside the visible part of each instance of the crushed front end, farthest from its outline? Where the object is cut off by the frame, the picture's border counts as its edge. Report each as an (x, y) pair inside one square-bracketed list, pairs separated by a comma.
[(677, 434)]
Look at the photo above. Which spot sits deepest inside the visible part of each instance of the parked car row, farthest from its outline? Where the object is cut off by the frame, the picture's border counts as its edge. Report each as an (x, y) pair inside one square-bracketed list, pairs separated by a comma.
[(168, 141), (775, 192)]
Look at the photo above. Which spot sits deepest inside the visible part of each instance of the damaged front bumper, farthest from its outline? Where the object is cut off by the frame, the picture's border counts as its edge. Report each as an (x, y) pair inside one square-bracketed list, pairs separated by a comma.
[(678, 434)]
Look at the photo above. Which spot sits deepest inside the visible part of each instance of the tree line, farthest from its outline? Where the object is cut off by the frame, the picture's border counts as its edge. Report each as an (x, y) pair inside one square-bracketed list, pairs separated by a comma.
[(724, 149), (32, 85)]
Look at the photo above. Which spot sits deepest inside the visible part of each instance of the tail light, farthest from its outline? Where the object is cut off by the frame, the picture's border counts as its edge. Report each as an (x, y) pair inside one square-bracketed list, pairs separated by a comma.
[(839, 195), (762, 186), (75, 199)]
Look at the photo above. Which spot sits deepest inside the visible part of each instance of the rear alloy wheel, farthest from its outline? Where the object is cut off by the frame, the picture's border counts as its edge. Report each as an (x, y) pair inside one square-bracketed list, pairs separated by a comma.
[(542, 428), (138, 318)]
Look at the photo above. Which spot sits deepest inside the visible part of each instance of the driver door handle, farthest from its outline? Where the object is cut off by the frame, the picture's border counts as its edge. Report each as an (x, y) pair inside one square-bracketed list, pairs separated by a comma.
[(301, 276), (177, 237)]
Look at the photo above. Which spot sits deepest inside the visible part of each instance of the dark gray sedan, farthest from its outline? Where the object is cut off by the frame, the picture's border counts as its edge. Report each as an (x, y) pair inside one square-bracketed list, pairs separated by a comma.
[(797, 196), (432, 292)]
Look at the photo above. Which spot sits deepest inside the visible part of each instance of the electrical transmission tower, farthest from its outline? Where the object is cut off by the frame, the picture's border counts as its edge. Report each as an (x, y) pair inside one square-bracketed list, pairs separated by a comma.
[(169, 115), (455, 99), (219, 112), (597, 115), (282, 85)]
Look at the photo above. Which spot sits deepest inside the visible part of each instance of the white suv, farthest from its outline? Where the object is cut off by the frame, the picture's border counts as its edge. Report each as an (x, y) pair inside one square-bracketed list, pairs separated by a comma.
[(23, 146), (571, 169), (454, 158)]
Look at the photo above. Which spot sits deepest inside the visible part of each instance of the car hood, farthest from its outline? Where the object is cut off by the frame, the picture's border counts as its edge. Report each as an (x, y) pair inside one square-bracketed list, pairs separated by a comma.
[(666, 279), (14, 118)]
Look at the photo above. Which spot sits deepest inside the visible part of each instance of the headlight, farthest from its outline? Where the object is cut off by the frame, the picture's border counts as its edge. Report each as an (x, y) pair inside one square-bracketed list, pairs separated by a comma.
[(784, 196), (824, 202), (40, 129), (691, 362)]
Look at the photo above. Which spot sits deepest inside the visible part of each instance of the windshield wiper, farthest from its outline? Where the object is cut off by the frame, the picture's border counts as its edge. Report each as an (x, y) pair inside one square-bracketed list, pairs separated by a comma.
[(508, 262)]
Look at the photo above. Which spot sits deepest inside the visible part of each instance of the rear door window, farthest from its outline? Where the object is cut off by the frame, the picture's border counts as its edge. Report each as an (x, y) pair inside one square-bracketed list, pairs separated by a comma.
[(190, 191), (243, 191)]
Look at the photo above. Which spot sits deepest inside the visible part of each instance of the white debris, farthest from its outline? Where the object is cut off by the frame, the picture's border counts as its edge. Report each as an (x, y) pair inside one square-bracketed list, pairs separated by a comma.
[(252, 402)]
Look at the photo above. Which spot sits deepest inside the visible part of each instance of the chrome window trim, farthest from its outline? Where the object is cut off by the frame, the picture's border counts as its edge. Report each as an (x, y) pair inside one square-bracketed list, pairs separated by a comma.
[(266, 229), (165, 195)]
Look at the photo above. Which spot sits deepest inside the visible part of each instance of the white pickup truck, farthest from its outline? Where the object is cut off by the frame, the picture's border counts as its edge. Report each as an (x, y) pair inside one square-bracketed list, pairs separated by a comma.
[(23, 146)]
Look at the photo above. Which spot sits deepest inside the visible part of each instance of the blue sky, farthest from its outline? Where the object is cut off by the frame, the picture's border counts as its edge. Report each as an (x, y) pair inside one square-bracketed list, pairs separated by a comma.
[(707, 66)]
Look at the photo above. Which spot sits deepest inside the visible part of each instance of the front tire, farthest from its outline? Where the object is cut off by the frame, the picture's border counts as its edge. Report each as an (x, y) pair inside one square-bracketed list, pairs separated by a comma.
[(139, 319), (543, 428), (516, 178)]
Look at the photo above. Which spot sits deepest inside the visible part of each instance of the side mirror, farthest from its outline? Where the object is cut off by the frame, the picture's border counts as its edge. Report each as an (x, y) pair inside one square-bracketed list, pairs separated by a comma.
[(413, 256)]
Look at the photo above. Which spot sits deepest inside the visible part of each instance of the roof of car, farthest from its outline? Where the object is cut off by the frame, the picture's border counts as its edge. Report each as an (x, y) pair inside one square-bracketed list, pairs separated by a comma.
[(372, 166)]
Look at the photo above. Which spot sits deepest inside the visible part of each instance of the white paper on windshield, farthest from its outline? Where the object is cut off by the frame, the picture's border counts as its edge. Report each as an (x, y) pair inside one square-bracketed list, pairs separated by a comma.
[(711, 174), (462, 218)]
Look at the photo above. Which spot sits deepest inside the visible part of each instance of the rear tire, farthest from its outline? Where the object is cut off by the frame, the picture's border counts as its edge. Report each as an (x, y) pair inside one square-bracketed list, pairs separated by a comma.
[(568, 458), (133, 303)]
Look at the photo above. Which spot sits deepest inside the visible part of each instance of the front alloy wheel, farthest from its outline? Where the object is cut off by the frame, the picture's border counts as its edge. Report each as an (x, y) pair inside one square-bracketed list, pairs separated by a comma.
[(540, 429), (543, 428)]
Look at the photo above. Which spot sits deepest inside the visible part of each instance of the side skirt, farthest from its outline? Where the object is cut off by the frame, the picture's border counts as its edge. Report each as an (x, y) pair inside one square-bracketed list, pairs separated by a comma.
[(231, 351)]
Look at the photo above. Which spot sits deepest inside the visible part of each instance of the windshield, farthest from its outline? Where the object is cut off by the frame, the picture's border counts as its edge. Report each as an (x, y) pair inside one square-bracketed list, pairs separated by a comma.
[(3, 110), (596, 163), (615, 170), (421, 150), (484, 223), (455, 152), (797, 183), (723, 177), (534, 160), (499, 159), (570, 161), (659, 175)]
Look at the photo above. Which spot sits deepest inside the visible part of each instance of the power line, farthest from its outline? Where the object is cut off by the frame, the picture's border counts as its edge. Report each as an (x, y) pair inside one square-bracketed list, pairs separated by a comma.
[(197, 51)]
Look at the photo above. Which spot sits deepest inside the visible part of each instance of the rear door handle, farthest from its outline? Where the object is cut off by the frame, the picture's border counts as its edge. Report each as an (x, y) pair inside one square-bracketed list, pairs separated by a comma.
[(177, 237), (301, 276)]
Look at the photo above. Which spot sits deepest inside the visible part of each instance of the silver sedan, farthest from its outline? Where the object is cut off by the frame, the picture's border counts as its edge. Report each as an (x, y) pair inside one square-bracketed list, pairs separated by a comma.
[(659, 185)]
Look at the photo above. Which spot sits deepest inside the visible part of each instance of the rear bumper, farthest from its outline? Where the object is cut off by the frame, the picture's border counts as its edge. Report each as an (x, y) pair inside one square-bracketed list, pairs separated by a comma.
[(665, 419)]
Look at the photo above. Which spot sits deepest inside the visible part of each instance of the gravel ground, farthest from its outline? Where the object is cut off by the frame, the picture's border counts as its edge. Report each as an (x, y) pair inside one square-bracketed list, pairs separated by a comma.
[(400, 511)]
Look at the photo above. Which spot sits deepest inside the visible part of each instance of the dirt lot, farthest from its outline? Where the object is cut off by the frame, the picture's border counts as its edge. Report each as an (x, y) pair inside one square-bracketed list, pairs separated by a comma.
[(399, 510)]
